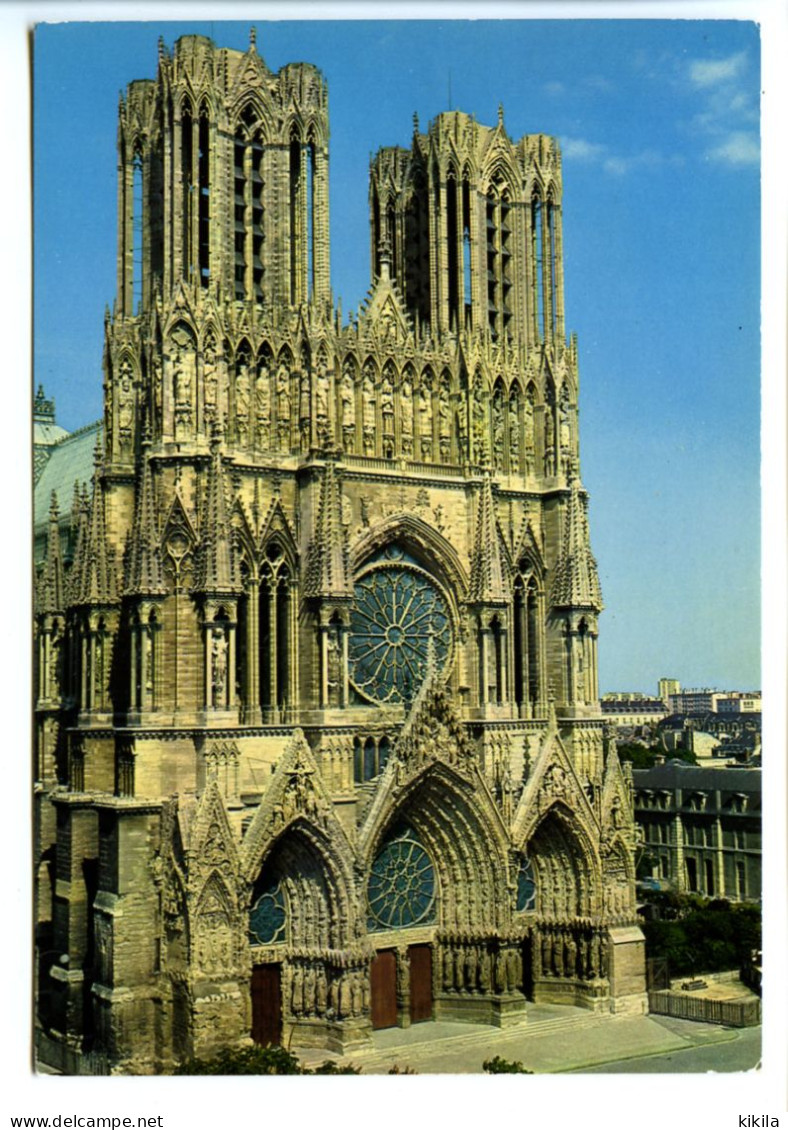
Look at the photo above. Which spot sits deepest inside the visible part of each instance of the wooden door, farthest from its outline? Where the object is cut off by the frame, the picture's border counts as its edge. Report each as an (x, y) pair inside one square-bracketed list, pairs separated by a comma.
[(384, 989), (420, 959), (267, 1004)]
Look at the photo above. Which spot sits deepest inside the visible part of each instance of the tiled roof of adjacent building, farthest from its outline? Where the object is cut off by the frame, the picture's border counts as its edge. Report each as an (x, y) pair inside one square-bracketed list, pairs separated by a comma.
[(70, 461)]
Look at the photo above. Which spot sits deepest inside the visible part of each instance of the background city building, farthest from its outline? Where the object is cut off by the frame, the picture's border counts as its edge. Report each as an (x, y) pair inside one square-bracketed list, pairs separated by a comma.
[(701, 829)]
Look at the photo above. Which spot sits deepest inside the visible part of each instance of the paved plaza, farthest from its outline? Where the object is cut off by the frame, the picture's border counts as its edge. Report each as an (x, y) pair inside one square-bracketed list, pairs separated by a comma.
[(555, 1039)]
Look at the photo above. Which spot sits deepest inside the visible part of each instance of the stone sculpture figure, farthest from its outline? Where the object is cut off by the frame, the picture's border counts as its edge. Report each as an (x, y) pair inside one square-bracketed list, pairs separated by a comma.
[(444, 424), (448, 968), (125, 405), (477, 410), (549, 445), (297, 998), (218, 666), (283, 406), (500, 971), (528, 432), (547, 953), (593, 956), (470, 968), (183, 384), (425, 421), (570, 947), (321, 991), (355, 994), (242, 403), (210, 382), (497, 417), (304, 410), (309, 990), (333, 994), (484, 970), (368, 412), (262, 394), (462, 428), (406, 413), (348, 409), (459, 969), (514, 436), (321, 400)]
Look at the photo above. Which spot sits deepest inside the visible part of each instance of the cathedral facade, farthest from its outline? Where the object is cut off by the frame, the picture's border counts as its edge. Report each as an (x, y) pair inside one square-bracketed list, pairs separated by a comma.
[(318, 741)]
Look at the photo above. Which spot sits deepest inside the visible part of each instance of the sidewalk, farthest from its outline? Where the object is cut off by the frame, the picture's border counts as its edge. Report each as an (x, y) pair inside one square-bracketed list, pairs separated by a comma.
[(554, 1038)]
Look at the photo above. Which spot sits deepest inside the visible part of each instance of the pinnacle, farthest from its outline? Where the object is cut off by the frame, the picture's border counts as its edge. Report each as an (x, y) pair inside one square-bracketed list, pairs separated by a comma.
[(487, 572), (576, 581), (94, 565), (217, 564), (145, 568), (327, 570), (50, 591)]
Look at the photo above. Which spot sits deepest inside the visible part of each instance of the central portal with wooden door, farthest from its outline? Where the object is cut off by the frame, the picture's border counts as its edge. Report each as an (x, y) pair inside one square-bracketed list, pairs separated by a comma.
[(267, 1004), (383, 983), (420, 962)]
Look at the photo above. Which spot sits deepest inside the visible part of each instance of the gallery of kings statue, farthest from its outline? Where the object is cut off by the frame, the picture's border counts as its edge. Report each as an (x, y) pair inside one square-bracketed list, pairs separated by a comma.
[(318, 741)]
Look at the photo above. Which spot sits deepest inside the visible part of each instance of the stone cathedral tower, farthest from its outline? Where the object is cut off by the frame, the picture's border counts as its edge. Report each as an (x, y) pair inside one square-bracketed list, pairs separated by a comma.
[(318, 741)]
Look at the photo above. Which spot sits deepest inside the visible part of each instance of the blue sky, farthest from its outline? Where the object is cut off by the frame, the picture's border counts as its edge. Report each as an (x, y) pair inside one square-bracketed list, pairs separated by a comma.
[(659, 126)]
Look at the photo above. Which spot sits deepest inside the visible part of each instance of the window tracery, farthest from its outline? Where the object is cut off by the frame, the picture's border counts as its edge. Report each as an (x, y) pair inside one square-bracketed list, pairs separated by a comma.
[(398, 609), (401, 890)]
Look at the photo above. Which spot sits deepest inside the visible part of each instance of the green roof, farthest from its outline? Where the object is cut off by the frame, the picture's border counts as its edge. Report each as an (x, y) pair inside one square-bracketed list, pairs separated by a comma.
[(70, 461)]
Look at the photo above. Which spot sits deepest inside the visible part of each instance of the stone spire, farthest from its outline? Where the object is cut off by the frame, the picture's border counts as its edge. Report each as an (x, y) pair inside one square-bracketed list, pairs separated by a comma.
[(96, 582), (576, 581), (144, 573), (216, 569), (327, 568), (50, 588), (79, 525), (487, 572)]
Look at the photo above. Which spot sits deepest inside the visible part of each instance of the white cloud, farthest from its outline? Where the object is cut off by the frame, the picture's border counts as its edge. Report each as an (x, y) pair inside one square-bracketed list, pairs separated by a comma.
[(705, 73), (575, 148), (739, 148), (617, 164), (727, 109), (554, 88)]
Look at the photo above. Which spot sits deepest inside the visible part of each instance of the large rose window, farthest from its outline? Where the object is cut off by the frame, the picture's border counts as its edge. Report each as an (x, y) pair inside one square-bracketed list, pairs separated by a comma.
[(401, 887), (398, 607)]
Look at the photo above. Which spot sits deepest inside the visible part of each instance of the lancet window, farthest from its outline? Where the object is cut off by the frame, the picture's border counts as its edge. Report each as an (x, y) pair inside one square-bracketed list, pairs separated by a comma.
[(196, 193), (302, 169), (277, 607), (537, 264), (528, 645), (249, 211), (370, 756), (136, 231), (144, 661), (499, 256)]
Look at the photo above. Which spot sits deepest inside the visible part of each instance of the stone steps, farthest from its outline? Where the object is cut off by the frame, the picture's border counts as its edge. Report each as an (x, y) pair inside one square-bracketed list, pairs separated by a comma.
[(372, 1058)]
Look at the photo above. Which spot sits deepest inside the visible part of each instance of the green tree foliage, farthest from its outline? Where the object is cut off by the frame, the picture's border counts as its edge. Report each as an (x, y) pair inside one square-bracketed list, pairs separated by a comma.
[(644, 757), (500, 1066), (703, 936), (257, 1060)]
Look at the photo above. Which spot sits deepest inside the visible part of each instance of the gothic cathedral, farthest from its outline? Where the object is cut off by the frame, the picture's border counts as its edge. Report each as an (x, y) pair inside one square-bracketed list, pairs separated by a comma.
[(319, 748)]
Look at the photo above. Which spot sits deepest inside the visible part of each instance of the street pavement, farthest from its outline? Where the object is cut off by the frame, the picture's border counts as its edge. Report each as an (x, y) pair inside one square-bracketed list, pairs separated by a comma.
[(742, 1053), (557, 1039)]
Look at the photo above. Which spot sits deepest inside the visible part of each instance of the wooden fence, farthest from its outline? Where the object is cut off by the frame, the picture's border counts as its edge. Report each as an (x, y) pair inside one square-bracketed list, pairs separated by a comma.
[(734, 1014)]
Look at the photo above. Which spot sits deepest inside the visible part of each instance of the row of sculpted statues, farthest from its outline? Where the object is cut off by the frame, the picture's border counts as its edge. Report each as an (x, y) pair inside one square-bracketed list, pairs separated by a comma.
[(570, 951), (320, 989), (266, 405), (472, 966)]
